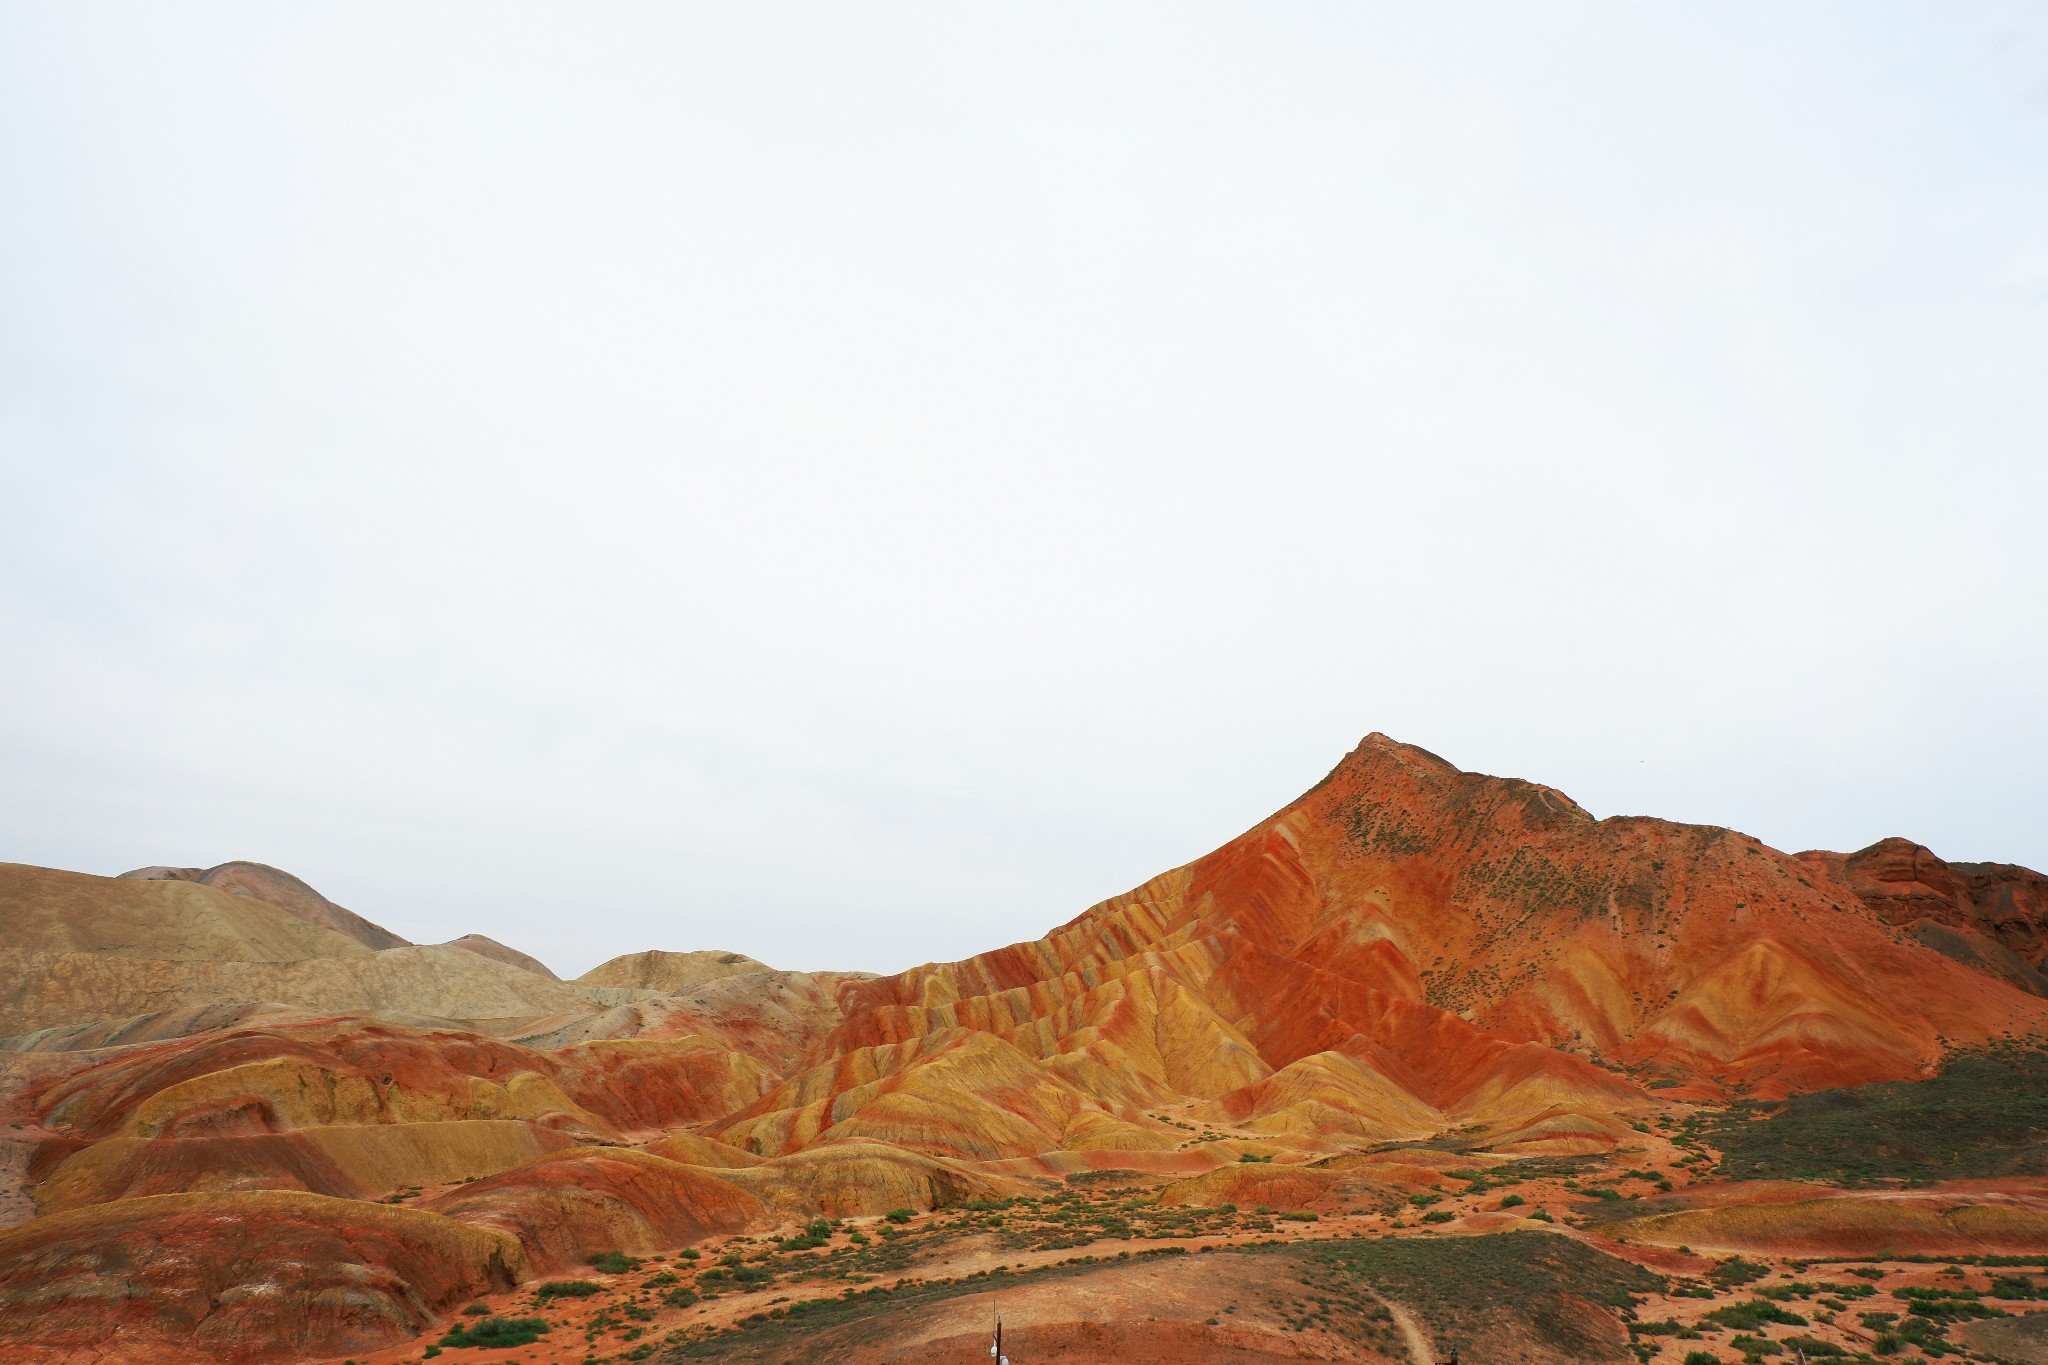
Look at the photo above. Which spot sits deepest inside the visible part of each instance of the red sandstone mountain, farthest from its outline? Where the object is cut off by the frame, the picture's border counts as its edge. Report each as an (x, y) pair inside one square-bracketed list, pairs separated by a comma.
[(1408, 948), (1408, 951)]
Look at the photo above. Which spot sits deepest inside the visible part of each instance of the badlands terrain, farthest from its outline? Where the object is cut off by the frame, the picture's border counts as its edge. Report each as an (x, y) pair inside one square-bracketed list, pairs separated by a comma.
[(1428, 1061)]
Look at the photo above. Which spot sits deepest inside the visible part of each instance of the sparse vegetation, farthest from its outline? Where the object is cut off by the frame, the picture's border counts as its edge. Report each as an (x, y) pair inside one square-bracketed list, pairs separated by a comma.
[(1462, 1285), (1986, 1114)]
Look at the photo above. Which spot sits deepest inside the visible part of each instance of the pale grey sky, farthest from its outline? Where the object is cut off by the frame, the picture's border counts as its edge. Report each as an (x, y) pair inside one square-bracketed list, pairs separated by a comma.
[(856, 484)]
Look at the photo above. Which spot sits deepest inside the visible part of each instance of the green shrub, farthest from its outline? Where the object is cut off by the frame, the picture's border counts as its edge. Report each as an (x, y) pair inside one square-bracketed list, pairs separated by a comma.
[(898, 1215), (1248, 1159), (567, 1289), (496, 1332), (1814, 1346), (477, 1310), (1438, 1216), (1735, 1270), (612, 1262), (1299, 1216), (679, 1298), (1701, 1358), (1512, 1201), (1753, 1313)]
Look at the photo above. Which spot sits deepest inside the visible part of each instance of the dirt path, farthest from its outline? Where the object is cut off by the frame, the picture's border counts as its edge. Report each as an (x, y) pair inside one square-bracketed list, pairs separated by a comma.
[(1419, 1348)]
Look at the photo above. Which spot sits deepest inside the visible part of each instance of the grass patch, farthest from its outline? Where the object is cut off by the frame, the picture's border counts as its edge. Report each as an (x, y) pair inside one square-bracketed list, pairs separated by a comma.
[(1986, 1114)]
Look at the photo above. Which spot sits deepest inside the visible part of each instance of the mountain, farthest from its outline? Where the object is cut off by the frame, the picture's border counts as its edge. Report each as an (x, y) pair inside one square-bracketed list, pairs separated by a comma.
[(1407, 949), (1336, 1033)]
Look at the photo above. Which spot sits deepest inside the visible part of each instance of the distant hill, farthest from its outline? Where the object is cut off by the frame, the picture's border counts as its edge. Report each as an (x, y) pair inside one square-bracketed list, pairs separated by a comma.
[(283, 890), (669, 973)]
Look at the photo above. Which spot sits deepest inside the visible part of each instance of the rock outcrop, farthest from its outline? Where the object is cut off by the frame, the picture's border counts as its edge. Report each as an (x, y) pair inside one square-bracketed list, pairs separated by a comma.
[(238, 1278), (564, 1205), (1989, 916)]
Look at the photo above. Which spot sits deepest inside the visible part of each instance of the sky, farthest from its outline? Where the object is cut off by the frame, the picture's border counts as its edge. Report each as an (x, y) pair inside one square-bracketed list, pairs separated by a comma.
[(857, 485)]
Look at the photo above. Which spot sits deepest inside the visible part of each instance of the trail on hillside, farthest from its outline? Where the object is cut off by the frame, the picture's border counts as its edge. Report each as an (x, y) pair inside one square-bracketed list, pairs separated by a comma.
[(1419, 1348)]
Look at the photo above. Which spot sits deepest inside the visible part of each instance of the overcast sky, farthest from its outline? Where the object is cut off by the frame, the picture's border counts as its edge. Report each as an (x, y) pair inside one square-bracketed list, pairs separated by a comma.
[(857, 484)]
